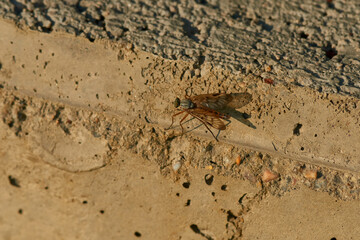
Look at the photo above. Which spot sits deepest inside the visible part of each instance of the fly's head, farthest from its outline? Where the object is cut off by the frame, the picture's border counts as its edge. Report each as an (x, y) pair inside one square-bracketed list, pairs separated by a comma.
[(177, 102)]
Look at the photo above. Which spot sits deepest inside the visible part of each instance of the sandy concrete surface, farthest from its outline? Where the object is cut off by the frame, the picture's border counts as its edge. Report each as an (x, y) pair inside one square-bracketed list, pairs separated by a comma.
[(84, 150)]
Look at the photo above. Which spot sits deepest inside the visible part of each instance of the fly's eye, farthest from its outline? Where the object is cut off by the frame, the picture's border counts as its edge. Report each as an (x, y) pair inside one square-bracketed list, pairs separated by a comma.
[(177, 102)]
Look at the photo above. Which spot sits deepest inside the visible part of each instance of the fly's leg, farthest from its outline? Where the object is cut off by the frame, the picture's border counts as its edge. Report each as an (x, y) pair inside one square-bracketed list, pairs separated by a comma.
[(228, 121), (182, 128), (172, 119), (203, 122), (210, 132)]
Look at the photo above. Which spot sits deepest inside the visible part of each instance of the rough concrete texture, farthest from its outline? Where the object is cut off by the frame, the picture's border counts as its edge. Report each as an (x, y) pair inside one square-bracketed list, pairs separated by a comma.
[(83, 147), (308, 43)]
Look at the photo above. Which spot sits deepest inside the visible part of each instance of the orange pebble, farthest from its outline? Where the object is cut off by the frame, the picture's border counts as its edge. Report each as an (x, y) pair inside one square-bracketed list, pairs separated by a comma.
[(209, 167), (238, 160), (269, 176), (311, 174)]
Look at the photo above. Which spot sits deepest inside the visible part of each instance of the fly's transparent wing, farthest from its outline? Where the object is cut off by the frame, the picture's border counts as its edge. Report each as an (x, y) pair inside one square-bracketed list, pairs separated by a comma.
[(214, 101), (239, 100), (211, 118), (220, 101)]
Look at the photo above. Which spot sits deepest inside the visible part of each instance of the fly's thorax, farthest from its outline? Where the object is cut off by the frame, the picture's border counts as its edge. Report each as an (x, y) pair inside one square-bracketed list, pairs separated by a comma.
[(187, 104)]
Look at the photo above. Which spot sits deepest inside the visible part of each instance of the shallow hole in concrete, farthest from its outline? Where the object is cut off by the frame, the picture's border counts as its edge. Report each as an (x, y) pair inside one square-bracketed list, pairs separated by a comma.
[(241, 198), (304, 35), (230, 215), (13, 181), (195, 228), (186, 184), (209, 179), (296, 130)]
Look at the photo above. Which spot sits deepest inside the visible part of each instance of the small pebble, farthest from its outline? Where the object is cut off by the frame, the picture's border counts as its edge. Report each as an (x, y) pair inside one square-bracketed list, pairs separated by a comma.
[(269, 81), (197, 72), (269, 176), (129, 46), (268, 68), (226, 161), (209, 167), (311, 174), (176, 165), (238, 160)]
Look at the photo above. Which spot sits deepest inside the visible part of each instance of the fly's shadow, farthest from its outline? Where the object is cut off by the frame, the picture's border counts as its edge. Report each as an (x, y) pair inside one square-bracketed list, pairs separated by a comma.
[(239, 100), (239, 116)]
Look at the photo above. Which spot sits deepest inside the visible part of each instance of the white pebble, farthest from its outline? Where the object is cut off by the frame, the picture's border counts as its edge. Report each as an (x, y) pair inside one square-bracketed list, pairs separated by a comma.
[(176, 165)]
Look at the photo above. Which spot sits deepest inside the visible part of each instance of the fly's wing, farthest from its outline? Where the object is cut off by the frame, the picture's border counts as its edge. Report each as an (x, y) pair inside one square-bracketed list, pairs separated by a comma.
[(208, 117), (239, 100), (214, 101), (220, 101)]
